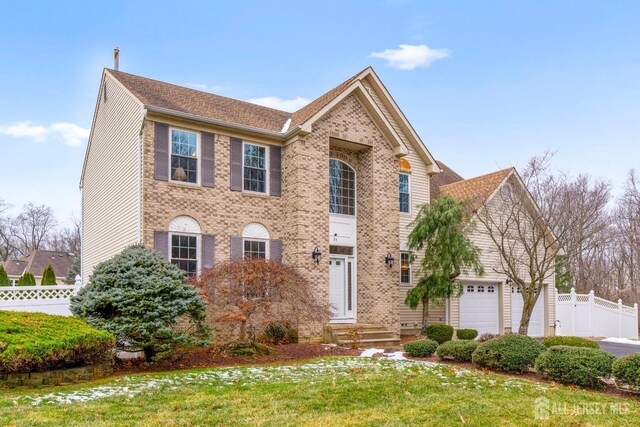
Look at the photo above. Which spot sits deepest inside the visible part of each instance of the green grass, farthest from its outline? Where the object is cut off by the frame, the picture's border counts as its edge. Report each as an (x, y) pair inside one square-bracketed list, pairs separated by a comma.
[(344, 391)]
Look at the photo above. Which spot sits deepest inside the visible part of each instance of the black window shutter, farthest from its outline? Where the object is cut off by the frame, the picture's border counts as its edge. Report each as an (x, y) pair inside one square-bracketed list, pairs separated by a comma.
[(275, 173), (161, 151), (208, 251), (235, 248), (275, 250), (161, 243), (208, 159), (236, 164)]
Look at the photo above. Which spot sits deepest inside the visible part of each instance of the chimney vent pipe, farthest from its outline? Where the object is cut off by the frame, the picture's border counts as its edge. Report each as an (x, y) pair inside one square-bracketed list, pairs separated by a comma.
[(116, 59)]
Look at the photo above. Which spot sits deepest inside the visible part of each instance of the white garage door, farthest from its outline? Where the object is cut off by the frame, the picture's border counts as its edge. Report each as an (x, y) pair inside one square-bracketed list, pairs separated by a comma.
[(536, 323), (479, 308)]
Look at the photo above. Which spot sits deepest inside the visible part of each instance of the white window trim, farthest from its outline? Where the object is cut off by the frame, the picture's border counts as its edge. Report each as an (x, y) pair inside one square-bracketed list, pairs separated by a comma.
[(266, 168), (355, 191), (409, 185), (198, 248), (198, 154), (410, 282), (267, 248)]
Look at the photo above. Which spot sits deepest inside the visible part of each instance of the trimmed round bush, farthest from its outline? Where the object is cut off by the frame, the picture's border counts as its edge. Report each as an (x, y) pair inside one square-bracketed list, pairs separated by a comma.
[(569, 341), (509, 353), (439, 332), (40, 342), (575, 365), (420, 348), (466, 334), (459, 351), (487, 336), (626, 370)]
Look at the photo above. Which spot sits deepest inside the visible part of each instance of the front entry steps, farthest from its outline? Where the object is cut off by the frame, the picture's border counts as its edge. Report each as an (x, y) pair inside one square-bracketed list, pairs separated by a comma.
[(362, 335)]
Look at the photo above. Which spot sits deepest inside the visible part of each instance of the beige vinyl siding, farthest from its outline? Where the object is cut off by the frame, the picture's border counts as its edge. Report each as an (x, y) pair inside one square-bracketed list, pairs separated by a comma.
[(490, 258), (419, 186), (111, 181)]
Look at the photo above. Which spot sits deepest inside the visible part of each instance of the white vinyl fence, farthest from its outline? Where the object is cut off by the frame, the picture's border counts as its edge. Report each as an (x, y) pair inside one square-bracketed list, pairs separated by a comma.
[(43, 299), (585, 315)]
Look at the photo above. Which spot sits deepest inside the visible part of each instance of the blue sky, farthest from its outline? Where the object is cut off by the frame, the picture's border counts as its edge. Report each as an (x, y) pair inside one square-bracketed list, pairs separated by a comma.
[(485, 84)]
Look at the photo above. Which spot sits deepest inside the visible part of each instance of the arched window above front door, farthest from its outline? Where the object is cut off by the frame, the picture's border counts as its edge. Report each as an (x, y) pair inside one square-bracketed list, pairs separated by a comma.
[(342, 188)]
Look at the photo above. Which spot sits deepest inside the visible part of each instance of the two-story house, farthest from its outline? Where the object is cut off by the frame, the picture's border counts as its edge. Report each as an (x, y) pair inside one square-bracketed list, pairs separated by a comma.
[(202, 178)]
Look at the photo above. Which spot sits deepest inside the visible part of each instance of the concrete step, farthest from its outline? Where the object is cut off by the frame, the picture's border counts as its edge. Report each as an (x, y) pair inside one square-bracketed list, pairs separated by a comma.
[(363, 334), (368, 343), (360, 326)]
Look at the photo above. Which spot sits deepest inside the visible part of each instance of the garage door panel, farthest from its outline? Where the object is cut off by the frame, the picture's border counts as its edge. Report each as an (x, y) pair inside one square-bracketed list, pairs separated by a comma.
[(536, 323), (479, 308)]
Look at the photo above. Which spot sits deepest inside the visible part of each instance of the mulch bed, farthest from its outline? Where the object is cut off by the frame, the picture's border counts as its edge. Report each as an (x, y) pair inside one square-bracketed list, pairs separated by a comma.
[(208, 357)]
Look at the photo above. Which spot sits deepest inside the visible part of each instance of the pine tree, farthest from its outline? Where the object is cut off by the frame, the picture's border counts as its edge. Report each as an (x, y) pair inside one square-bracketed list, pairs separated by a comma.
[(73, 272), (27, 279), (4, 278), (140, 298), (440, 229), (48, 276)]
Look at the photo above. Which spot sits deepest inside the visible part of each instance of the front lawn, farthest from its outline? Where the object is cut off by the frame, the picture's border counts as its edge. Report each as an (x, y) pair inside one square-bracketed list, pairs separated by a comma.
[(325, 392)]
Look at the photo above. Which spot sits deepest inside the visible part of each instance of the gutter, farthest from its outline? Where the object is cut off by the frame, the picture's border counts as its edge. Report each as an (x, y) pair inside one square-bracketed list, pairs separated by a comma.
[(140, 175), (222, 123)]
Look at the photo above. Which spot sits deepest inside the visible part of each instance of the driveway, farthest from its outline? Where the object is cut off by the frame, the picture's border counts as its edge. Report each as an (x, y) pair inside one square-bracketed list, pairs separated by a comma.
[(618, 349)]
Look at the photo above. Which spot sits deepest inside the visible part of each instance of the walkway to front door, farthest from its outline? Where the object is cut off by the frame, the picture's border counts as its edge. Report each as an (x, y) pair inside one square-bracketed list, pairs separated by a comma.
[(342, 289)]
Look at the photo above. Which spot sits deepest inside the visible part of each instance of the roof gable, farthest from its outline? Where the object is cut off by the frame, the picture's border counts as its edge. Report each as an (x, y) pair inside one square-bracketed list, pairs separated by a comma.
[(38, 260), (477, 190)]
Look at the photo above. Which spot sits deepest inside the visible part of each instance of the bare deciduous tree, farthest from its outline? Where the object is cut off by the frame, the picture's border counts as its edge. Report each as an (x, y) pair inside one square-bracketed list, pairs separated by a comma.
[(32, 226), (516, 222), (66, 239)]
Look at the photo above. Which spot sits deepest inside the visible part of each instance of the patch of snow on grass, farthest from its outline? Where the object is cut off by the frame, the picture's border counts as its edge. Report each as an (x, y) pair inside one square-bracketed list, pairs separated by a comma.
[(369, 352), (621, 341)]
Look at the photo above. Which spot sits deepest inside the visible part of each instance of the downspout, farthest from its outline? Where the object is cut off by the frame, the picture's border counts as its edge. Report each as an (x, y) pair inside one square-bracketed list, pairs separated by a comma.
[(140, 173)]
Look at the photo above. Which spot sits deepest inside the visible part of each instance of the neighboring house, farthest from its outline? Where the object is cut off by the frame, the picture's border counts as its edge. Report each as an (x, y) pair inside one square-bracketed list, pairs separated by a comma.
[(489, 304), (37, 261)]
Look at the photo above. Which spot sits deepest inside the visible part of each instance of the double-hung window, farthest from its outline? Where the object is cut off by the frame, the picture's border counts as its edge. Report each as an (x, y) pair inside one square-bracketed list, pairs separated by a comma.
[(405, 268), (255, 249), (255, 168), (184, 253), (184, 156), (405, 197)]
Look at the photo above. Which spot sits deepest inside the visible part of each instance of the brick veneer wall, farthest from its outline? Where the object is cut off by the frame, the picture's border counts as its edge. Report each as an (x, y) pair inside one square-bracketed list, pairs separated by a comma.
[(300, 217)]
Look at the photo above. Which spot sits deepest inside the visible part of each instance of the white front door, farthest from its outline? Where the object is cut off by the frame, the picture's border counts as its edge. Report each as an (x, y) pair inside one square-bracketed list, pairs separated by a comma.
[(341, 288), (536, 322), (479, 307)]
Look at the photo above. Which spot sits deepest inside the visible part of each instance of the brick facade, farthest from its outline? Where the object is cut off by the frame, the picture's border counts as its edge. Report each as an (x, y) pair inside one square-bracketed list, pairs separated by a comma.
[(300, 217)]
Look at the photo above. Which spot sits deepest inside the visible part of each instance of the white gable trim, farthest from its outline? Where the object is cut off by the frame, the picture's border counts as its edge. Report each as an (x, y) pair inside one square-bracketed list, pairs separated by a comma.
[(358, 89)]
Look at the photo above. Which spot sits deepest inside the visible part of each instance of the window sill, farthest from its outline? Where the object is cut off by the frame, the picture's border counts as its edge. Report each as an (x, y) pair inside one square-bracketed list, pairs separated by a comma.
[(254, 194), (185, 185)]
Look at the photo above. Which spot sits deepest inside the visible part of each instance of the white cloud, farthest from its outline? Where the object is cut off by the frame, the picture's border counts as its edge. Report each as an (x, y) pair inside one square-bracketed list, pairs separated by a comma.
[(289, 105), (407, 56), (201, 86), (69, 133), (25, 130)]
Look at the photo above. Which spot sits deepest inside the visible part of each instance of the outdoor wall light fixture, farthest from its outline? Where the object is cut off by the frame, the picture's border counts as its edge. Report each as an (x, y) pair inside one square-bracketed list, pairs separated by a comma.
[(389, 260), (509, 280), (316, 254)]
